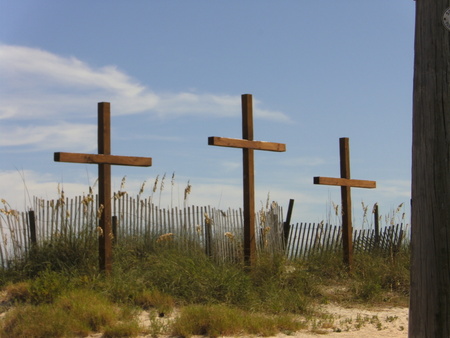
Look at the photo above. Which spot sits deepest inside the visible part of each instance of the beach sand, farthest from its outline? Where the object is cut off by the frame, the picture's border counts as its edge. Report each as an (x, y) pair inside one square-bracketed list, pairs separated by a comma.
[(338, 321)]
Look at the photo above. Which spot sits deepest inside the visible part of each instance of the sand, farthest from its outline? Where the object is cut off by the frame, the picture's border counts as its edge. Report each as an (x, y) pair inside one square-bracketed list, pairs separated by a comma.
[(358, 322), (343, 322)]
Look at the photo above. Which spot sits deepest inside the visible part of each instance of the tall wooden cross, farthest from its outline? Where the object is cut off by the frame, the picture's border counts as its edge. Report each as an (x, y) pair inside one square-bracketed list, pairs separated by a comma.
[(346, 183), (104, 159), (248, 146)]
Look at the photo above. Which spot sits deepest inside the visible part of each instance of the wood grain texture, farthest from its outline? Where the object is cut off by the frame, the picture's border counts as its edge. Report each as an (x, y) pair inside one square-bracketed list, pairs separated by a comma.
[(240, 143), (345, 182), (430, 222), (103, 159)]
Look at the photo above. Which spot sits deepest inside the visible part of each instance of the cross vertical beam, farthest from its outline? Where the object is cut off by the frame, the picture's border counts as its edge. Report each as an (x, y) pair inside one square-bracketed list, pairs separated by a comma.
[(248, 146), (104, 187), (345, 182), (104, 159), (248, 160), (346, 198)]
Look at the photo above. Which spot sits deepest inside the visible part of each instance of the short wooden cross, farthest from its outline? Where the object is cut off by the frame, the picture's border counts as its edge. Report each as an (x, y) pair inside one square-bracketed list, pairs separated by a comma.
[(346, 183), (104, 159), (248, 146)]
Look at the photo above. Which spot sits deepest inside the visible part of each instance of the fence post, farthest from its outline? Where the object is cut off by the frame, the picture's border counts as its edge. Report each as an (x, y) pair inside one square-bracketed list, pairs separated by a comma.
[(32, 224), (114, 229), (287, 224), (377, 226), (208, 235)]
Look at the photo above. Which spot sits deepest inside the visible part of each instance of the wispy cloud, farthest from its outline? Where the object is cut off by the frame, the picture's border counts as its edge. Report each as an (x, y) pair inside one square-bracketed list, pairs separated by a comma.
[(395, 188), (39, 83), (65, 135)]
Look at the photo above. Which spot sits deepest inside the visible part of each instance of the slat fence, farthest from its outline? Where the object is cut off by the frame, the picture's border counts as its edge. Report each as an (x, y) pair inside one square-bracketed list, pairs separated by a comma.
[(218, 232)]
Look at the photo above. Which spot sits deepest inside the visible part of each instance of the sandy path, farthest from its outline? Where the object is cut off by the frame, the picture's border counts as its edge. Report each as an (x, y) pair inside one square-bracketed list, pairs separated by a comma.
[(358, 322), (344, 323)]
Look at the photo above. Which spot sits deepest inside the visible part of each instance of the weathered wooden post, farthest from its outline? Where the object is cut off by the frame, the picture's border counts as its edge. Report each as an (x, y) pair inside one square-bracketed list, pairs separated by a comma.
[(104, 159), (208, 237), (346, 183), (429, 311), (376, 225), (114, 229), (32, 224), (248, 146), (287, 224)]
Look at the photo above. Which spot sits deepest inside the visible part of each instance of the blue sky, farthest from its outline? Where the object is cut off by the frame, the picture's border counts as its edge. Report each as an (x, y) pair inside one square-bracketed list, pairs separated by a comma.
[(174, 72)]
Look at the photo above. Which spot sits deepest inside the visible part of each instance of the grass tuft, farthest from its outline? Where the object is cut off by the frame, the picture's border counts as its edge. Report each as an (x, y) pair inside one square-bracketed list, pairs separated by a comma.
[(78, 312), (220, 320)]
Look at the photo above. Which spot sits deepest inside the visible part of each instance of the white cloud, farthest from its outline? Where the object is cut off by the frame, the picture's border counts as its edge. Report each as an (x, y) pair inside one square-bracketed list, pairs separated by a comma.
[(19, 188), (65, 135), (394, 188), (38, 84), (312, 206)]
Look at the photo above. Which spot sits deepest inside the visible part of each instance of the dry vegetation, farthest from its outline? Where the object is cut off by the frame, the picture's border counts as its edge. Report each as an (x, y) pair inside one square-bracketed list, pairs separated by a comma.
[(160, 288), (57, 291)]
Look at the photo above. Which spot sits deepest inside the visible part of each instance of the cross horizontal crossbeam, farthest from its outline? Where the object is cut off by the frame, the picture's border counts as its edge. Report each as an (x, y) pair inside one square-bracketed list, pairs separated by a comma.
[(246, 144), (345, 182), (103, 159)]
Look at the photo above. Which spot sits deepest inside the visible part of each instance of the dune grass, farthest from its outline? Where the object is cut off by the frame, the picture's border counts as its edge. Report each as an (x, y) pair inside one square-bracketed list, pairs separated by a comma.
[(76, 312), (222, 320), (56, 290)]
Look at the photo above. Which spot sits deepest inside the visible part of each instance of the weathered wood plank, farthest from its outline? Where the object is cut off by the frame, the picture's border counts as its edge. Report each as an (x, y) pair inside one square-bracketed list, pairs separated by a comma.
[(103, 159), (346, 182), (246, 144)]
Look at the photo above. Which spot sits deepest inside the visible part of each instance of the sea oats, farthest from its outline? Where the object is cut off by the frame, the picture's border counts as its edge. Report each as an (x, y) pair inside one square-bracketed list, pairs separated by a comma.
[(229, 235), (187, 191), (155, 185), (100, 211), (161, 187), (119, 194), (375, 206), (141, 191), (207, 219), (165, 238), (122, 184)]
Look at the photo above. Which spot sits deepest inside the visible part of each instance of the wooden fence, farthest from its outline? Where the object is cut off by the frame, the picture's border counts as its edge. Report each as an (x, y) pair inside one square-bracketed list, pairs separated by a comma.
[(306, 239), (219, 232)]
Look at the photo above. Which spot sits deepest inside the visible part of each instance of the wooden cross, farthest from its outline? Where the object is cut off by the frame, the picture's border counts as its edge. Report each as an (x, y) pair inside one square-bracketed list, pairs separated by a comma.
[(104, 159), (346, 183), (248, 146)]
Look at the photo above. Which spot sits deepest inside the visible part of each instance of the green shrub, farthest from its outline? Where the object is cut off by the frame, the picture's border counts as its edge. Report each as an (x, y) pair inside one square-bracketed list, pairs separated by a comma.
[(47, 286), (192, 277)]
